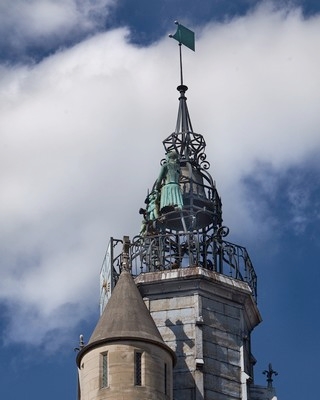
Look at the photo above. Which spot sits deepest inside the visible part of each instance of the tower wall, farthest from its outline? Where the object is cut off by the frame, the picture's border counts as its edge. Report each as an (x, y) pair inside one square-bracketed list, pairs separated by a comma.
[(206, 318), (116, 379)]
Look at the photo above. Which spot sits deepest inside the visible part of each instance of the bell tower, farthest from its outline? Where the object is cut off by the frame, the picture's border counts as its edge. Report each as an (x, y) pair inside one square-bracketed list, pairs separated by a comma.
[(199, 288)]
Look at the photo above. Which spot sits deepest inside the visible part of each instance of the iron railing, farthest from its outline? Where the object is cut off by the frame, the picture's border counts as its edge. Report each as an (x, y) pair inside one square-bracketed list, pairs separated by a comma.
[(169, 251)]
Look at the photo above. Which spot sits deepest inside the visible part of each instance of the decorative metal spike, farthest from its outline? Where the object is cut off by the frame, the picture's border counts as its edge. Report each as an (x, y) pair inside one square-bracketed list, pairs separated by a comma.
[(81, 344), (270, 372)]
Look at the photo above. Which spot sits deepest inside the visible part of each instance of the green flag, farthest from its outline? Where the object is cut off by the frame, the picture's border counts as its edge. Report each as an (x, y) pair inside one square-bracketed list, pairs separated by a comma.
[(184, 36)]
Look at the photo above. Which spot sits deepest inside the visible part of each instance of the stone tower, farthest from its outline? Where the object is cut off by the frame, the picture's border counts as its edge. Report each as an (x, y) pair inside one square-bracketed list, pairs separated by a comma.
[(199, 289)]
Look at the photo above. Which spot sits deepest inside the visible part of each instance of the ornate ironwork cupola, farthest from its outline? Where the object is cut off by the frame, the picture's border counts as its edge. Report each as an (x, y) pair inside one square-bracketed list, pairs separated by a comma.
[(184, 197), (182, 217)]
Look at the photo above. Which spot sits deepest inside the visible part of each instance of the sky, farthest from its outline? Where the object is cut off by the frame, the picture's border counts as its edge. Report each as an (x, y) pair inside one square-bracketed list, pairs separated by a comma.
[(87, 94)]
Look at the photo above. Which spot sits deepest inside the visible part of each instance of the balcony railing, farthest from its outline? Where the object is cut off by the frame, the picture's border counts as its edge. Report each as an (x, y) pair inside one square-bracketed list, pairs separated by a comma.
[(182, 250)]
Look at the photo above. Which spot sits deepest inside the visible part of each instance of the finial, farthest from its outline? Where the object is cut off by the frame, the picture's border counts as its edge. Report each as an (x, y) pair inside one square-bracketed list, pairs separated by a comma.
[(270, 372), (81, 344), (125, 254)]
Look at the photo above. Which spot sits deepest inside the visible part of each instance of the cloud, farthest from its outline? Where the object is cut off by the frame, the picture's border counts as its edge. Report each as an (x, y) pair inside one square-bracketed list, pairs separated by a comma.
[(82, 132), (263, 100), (287, 198), (45, 25)]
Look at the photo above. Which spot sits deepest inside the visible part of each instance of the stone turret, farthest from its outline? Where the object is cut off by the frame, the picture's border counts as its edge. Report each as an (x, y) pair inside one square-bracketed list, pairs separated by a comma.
[(126, 357)]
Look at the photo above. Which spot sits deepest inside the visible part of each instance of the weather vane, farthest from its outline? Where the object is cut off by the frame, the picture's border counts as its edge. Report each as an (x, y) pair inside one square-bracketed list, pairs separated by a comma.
[(184, 36)]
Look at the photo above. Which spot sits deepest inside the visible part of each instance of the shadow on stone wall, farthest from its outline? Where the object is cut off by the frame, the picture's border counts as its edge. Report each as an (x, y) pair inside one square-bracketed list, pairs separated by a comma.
[(184, 384)]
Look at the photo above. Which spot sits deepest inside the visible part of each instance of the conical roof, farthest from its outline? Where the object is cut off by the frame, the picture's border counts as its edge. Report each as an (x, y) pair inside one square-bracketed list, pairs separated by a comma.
[(126, 316)]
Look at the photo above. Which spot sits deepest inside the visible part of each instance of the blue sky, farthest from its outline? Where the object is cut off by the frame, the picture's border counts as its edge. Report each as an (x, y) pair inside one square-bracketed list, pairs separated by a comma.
[(87, 94)]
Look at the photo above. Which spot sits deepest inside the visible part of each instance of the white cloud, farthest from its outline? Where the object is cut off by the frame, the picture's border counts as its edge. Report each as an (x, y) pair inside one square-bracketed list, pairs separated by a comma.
[(82, 132), (46, 23)]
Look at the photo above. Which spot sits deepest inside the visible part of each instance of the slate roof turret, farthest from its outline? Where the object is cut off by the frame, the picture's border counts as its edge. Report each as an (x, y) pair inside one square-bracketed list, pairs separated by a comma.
[(125, 317)]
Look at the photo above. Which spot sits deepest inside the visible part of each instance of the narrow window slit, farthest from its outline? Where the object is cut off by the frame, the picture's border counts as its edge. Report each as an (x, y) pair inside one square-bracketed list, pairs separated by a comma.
[(138, 380), (105, 370)]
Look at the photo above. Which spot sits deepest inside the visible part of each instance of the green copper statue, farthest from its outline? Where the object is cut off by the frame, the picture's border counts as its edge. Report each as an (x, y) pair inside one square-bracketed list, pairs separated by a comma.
[(165, 196), (151, 213), (168, 182)]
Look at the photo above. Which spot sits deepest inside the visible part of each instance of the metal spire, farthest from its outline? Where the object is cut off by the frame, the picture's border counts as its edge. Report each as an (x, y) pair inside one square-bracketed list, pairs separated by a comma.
[(183, 126), (189, 145), (183, 120)]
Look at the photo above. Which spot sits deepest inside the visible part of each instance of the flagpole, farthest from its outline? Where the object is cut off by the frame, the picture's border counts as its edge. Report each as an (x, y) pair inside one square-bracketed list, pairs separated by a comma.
[(181, 75)]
